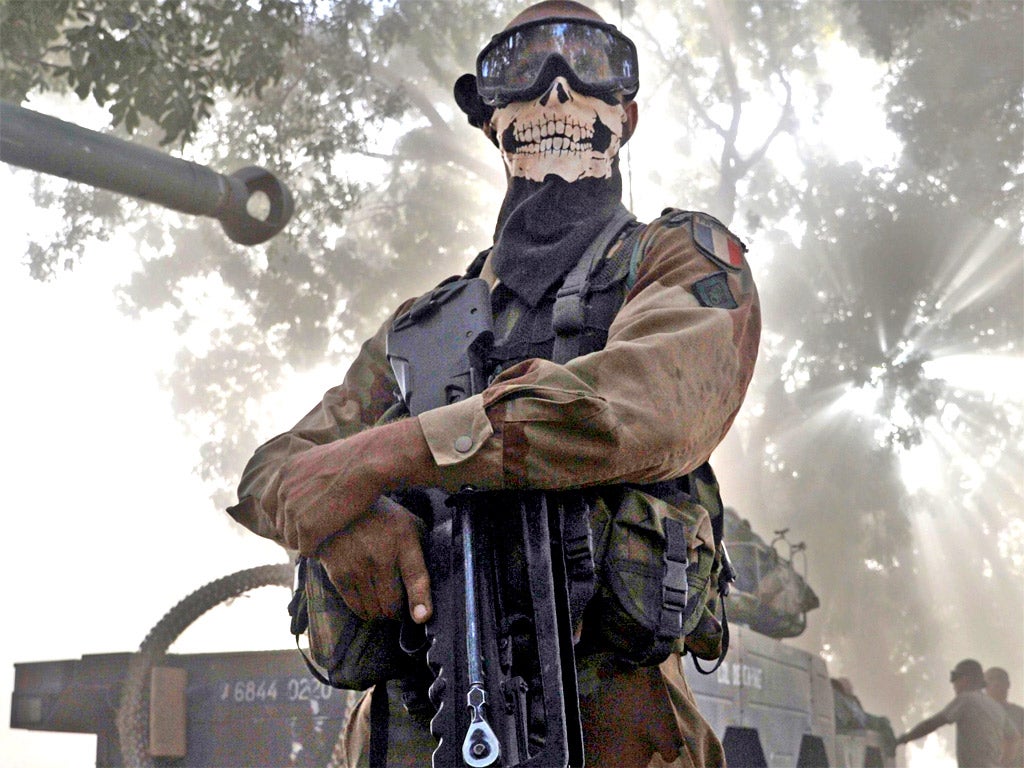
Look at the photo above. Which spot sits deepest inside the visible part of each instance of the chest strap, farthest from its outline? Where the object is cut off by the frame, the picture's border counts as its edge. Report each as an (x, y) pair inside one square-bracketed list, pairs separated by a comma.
[(568, 315)]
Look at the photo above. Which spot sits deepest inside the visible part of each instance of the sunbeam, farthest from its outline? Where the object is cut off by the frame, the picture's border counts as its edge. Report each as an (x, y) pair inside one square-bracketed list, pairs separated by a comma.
[(999, 375), (973, 268)]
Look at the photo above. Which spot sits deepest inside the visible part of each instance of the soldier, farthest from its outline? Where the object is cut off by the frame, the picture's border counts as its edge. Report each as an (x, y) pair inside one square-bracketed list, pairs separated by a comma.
[(982, 725), (656, 394), (997, 685)]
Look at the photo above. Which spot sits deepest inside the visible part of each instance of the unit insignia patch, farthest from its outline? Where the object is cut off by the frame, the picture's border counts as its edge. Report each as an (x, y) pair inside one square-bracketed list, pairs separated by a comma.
[(713, 291)]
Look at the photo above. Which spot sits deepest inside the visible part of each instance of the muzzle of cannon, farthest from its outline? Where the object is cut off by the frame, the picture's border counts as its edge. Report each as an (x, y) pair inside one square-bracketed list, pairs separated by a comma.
[(251, 204)]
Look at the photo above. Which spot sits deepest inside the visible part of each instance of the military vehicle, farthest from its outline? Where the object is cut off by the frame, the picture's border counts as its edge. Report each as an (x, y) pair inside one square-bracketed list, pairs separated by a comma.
[(772, 704), (251, 204)]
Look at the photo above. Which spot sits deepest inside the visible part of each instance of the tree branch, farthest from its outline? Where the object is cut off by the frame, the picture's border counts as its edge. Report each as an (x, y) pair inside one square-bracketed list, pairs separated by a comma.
[(781, 125), (691, 97)]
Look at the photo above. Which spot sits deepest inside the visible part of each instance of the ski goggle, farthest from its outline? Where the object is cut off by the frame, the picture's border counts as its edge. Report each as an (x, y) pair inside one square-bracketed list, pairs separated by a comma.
[(519, 63)]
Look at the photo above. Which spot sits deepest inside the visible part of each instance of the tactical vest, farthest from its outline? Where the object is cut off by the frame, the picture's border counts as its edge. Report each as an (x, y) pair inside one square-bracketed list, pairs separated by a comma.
[(661, 568), (572, 319), (644, 614)]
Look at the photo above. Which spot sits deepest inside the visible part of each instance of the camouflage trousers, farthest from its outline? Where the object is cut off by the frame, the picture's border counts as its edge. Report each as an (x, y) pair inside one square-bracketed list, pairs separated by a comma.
[(634, 719)]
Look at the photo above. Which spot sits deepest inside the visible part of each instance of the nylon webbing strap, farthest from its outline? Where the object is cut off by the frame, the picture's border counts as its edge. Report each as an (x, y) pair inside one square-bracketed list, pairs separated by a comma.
[(673, 585), (722, 652), (568, 313), (380, 707)]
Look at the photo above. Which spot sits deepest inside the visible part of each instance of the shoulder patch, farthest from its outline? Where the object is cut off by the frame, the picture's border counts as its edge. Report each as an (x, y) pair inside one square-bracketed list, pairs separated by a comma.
[(713, 291), (716, 242)]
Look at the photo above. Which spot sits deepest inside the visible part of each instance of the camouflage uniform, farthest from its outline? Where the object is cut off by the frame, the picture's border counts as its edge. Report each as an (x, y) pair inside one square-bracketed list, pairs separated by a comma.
[(650, 406), (644, 717)]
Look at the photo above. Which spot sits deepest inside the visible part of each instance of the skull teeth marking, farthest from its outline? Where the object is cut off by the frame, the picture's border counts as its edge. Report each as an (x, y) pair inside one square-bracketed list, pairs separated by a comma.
[(567, 131), (572, 139)]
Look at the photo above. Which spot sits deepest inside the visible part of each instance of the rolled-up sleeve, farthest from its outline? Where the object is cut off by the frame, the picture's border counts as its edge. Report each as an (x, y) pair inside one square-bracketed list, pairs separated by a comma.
[(652, 405), (359, 402)]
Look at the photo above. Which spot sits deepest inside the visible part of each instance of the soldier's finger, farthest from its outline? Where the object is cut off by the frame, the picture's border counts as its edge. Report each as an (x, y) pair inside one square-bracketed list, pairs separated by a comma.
[(388, 592), (413, 569), (349, 588)]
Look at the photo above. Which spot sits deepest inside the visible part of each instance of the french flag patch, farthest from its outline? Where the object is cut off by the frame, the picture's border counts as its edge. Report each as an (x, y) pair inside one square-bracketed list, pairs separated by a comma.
[(716, 242)]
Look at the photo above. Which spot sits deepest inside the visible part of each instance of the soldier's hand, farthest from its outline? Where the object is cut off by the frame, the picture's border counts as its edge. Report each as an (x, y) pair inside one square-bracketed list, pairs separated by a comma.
[(319, 492), (377, 559), (327, 488)]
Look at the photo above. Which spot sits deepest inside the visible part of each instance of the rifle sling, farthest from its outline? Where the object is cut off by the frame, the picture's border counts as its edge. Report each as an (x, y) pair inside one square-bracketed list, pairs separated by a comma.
[(379, 717), (568, 314)]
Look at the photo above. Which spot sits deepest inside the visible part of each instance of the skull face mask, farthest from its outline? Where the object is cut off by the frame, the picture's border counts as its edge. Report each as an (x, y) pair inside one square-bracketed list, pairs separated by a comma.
[(562, 132)]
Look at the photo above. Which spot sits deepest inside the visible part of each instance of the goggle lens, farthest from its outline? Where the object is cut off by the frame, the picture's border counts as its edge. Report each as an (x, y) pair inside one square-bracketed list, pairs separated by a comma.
[(601, 57)]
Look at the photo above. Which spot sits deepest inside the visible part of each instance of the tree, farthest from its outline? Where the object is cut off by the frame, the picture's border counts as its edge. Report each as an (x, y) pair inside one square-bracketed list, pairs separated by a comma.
[(341, 76), (157, 61), (899, 269)]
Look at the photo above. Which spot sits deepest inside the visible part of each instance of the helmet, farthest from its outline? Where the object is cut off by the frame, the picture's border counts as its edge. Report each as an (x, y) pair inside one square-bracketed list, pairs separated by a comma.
[(969, 669)]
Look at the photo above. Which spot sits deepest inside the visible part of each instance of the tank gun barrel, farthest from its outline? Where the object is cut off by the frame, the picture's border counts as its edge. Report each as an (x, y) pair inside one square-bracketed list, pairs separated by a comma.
[(46, 144)]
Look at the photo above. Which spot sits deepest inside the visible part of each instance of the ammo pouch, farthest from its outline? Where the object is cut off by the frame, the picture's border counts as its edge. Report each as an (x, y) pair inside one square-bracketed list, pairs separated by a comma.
[(344, 650), (657, 564)]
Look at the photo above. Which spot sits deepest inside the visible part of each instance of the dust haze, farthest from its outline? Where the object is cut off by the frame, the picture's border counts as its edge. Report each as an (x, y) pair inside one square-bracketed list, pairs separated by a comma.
[(869, 154)]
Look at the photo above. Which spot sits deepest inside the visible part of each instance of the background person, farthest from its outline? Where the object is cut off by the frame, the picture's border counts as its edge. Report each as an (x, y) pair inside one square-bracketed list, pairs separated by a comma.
[(982, 724), (997, 685)]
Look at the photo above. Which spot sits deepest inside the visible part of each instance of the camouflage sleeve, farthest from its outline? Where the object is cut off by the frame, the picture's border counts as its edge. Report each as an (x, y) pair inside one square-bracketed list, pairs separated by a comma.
[(652, 405), (367, 391)]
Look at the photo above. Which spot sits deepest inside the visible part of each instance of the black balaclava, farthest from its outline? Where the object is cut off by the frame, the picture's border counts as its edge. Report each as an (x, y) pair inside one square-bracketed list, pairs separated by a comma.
[(561, 152)]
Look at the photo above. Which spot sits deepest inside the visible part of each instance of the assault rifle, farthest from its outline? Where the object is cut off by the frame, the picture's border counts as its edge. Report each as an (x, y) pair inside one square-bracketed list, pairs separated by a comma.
[(510, 571)]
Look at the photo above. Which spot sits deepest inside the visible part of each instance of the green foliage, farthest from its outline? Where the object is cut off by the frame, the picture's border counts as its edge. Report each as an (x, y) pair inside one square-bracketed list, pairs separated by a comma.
[(961, 115), (714, 62), (898, 268), (161, 61), (352, 78), (28, 30), (888, 27)]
